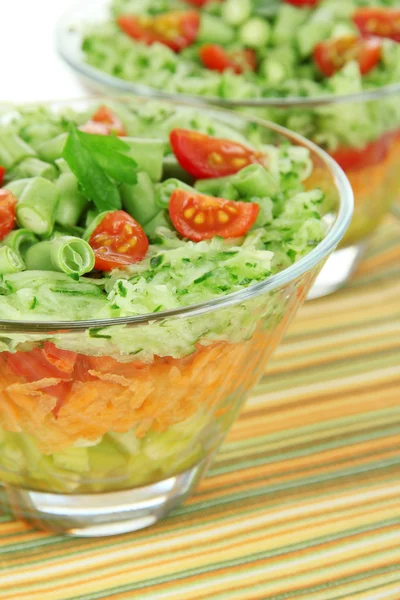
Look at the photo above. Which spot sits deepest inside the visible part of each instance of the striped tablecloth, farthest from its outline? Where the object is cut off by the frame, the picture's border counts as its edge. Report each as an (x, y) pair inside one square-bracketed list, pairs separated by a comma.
[(303, 501)]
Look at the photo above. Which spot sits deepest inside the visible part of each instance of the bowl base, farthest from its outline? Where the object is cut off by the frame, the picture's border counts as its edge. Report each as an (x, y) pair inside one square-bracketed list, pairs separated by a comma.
[(102, 514), (337, 270)]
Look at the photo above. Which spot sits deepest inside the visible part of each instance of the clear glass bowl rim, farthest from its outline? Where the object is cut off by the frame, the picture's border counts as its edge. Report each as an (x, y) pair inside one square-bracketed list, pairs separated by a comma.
[(120, 86), (282, 278)]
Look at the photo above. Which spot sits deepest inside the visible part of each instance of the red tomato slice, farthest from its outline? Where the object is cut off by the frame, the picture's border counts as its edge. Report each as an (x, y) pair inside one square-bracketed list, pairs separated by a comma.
[(2, 173), (352, 159), (199, 3), (118, 241), (332, 55), (302, 3), (177, 30), (63, 360), (199, 217), (104, 122), (8, 203), (204, 156), (216, 58), (381, 22), (34, 366)]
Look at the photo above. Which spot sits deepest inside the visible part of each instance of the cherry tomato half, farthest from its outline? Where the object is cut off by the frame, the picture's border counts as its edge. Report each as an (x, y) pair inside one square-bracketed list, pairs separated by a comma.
[(381, 22), (199, 217), (216, 58), (2, 173), (199, 3), (177, 30), (353, 159), (332, 55), (204, 156), (303, 3), (104, 122), (8, 203), (118, 241)]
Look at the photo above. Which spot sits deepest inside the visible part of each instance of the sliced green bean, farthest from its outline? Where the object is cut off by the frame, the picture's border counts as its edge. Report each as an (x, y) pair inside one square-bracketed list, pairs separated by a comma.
[(165, 189), (72, 203), (20, 240), (255, 33), (62, 165), (17, 187), (139, 199), (160, 220), (93, 224), (67, 254), (34, 167), (37, 205), (236, 12), (149, 154), (213, 30), (90, 215), (254, 180), (10, 261), (173, 170), (51, 150), (13, 149)]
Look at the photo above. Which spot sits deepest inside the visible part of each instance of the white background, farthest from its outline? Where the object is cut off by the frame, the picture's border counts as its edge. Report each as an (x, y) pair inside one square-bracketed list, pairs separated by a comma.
[(30, 67)]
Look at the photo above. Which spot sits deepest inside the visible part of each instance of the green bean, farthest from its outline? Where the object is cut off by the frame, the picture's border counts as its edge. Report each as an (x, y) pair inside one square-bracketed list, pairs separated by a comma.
[(213, 30), (34, 167), (173, 170), (254, 180), (255, 33), (10, 261), (160, 220), (20, 240), (236, 12), (17, 187), (139, 199), (13, 149), (165, 189), (67, 254), (148, 153), (62, 165), (90, 215), (213, 186), (251, 181), (94, 224), (37, 205), (51, 150), (72, 203)]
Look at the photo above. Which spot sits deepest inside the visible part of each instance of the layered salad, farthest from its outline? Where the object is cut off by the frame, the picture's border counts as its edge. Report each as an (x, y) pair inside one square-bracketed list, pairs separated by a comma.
[(130, 210), (246, 50)]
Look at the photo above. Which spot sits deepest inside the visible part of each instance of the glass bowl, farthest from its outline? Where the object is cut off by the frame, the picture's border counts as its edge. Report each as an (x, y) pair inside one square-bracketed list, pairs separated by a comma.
[(375, 176), (130, 440)]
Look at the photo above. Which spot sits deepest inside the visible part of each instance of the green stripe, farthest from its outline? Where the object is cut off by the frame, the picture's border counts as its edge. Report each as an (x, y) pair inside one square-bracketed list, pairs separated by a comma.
[(226, 564)]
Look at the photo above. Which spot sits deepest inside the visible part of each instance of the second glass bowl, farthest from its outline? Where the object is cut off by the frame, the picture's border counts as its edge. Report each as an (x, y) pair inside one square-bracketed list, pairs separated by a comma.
[(372, 166)]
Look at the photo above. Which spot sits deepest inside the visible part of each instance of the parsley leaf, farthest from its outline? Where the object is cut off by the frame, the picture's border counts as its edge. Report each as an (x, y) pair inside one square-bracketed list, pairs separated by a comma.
[(99, 165)]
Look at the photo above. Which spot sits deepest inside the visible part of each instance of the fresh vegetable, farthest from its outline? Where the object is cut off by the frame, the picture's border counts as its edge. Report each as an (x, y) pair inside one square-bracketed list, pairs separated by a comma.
[(216, 58), (8, 203), (332, 55), (352, 159), (303, 3), (378, 21), (118, 241), (104, 122), (199, 3), (204, 156), (199, 217), (177, 30)]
